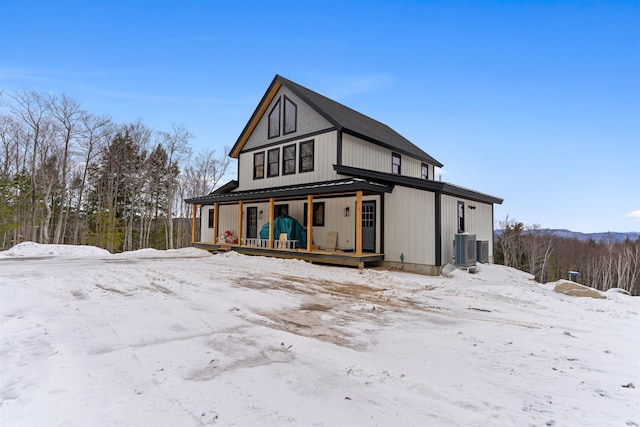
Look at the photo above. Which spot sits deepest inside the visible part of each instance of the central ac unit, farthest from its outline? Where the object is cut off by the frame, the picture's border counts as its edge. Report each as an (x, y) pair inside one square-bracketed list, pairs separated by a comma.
[(465, 249)]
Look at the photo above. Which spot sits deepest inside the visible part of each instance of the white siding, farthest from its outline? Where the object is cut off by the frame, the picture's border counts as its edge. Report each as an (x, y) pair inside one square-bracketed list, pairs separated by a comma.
[(206, 233), (478, 221), (308, 121), (410, 226), (324, 159), (358, 153)]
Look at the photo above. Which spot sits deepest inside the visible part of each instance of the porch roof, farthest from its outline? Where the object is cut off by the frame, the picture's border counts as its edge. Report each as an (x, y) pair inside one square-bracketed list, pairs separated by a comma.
[(330, 188), (422, 184)]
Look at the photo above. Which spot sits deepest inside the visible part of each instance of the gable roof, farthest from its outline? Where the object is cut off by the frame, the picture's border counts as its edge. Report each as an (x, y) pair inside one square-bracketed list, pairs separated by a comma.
[(343, 118)]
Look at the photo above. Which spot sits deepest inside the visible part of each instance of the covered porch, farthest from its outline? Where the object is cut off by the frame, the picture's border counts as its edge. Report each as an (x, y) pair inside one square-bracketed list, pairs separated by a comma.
[(343, 222)]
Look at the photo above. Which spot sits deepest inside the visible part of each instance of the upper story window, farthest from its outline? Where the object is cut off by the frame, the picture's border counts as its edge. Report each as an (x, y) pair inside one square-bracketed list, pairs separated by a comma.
[(290, 116), (425, 171), (395, 164), (274, 121), (274, 162), (306, 156), (289, 159), (258, 165)]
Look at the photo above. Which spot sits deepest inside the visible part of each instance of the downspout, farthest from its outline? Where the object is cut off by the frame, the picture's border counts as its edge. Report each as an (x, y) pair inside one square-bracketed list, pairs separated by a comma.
[(438, 230)]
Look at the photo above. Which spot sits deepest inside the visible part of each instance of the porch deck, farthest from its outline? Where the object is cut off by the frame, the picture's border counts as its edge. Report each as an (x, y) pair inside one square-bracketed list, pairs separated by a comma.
[(319, 256)]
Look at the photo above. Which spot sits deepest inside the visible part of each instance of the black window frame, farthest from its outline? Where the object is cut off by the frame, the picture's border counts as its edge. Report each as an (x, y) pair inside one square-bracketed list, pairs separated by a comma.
[(210, 219), (277, 209), (395, 156), (422, 169), (318, 216), (255, 165), (271, 132), (273, 167), (301, 166), (287, 161), (460, 214), (286, 120)]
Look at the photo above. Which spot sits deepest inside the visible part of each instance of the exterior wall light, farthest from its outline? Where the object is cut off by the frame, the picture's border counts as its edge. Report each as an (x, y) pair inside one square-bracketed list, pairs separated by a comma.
[(346, 211)]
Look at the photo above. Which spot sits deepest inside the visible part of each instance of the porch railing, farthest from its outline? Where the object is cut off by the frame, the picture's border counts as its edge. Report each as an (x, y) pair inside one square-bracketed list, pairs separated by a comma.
[(264, 243)]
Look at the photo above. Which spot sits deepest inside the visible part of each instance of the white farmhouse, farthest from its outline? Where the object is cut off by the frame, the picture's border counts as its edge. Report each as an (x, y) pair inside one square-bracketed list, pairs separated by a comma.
[(372, 193)]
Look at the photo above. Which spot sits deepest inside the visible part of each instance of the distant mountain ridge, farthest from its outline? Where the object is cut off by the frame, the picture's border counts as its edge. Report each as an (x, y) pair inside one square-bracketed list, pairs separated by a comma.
[(597, 237)]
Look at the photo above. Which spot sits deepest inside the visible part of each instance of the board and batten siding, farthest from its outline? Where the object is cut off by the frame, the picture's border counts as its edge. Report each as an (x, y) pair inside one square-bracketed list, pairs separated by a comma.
[(478, 221), (362, 154), (308, 121), (324, 146), (206, 233), (410, 226)]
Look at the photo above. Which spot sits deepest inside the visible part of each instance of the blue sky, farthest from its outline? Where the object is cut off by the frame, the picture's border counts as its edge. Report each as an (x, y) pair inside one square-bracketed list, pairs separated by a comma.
[(535, 102)]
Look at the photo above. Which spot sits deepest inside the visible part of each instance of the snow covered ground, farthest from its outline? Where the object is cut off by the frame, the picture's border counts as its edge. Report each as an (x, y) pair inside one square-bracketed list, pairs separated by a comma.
[(185, 338)]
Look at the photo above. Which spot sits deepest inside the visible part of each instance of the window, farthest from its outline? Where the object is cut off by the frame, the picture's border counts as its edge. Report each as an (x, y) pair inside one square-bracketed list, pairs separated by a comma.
[(395, 164), (274, 121), (306, 156), (317, 215), (279, 210), (289, 159), (425, 171), (460, 217), (274, 162), (258, 165), (290, 116), (210, 218)]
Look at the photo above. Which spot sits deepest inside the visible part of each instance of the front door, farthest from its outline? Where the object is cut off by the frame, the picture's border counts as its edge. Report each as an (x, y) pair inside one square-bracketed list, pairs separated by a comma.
[(369, 226), (252, 223)]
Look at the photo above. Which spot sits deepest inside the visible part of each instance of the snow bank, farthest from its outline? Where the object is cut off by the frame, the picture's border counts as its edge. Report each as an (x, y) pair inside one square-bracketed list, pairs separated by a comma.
[(31, 249), (170, 253)]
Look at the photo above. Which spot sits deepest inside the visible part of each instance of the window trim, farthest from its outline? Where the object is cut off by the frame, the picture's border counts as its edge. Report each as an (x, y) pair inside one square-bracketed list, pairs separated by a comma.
[(255, 165), (293, 170), (395, 156), (277, 162), (318, 208), (312, 156), (460, 215), (277, 209), (422, 168), (275, 109), (284, 114)]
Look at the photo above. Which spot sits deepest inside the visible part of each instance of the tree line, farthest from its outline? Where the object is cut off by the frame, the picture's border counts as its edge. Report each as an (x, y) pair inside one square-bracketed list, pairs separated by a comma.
[(601, 265), (68, 176)]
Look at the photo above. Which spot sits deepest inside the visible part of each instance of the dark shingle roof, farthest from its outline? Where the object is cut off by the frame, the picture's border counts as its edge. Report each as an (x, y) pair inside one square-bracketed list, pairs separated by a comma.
[(357, 124)]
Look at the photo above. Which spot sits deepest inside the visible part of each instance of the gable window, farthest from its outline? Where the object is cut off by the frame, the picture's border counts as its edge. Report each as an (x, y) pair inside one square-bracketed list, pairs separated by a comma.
[(274, 121), (425, 171), (395, 164), (317, 215), (210, 218), (306, 156), (290, 116), (289, 159), (258, 165), (460, 217), (274, 162)]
